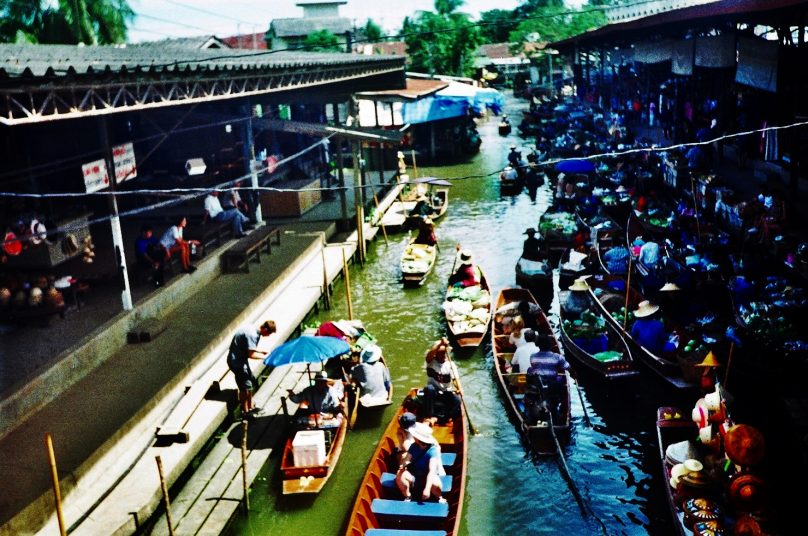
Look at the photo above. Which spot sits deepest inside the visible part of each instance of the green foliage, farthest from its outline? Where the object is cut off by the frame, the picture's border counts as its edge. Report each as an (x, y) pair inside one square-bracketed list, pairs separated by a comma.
[(443, 41), (65, 21), (496, 25), (322, 41), (373, 32), (555, 23)]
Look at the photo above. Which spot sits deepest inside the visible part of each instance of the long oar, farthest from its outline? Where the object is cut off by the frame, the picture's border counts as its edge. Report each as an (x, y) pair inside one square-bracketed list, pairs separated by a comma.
[(354, 407), (587, 422), (456, 380), (565, 471)]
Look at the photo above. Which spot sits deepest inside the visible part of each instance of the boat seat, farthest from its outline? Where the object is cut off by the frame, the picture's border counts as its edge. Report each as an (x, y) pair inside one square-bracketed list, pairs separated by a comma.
[(395, 510), (448, 458), (403, 532), (389, 481)]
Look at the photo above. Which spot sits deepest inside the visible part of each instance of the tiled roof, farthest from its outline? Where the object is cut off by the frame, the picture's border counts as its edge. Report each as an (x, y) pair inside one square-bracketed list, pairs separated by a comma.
[(298, 27), (416, 89), (17, 60), (255, 41), (200, 42)]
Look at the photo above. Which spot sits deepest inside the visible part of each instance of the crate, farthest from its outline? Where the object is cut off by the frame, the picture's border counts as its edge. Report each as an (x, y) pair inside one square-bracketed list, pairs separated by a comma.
[(308, 448)]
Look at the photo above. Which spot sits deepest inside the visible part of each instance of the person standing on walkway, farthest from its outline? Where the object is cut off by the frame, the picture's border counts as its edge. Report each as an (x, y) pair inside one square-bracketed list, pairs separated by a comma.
[(243, 347)]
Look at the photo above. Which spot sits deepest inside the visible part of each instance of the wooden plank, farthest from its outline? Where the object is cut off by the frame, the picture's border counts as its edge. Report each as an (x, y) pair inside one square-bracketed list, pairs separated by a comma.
[(173, 427)]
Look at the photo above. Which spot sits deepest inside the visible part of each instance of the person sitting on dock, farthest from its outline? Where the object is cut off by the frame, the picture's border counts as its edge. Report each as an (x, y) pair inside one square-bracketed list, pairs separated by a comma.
[(173, 242), (466, 273), (440, 386), (521, 357), (318, 399), (426, 233), (370, 375), (421, 468), (648, 330), (150, 254), (532, 247), (217, 213), (244, 346)]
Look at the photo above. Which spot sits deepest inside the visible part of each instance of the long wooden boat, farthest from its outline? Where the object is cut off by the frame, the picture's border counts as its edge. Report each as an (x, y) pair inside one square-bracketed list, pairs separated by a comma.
[(417, 261), (379, 504), (616, 364), (610, 300), (308, 475), (469, 331), (672, 427), (537, 277), (514, 385)]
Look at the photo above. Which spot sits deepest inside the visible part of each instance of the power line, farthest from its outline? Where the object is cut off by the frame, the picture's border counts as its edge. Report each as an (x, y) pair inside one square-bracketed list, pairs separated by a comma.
[(205, 11)]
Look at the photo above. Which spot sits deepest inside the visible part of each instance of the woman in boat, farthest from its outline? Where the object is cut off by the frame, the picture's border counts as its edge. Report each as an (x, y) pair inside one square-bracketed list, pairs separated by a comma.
[(440, 383), (420, 470), (531, 249), (466, 273), (426, 233), (404, 435), (422, 207), (517, 336), (577, 301), (648, 330), (370, 375)]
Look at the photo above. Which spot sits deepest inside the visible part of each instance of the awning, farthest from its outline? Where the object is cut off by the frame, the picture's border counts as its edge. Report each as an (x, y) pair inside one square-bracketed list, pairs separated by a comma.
[(318, 129)]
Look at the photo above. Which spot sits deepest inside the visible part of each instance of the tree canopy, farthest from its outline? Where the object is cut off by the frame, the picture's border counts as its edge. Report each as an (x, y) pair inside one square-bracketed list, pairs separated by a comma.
[(65, 21), (443, 41), (550, 20), (322, 41), (496, 25), (373, 32)]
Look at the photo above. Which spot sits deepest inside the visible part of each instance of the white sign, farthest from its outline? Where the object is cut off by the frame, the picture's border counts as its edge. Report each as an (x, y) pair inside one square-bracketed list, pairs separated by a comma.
[(95, 175), (123, 158)]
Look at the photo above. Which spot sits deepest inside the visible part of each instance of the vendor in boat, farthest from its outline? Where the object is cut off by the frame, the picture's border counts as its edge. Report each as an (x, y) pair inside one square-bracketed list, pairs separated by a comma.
[(421, 469), (466, 273), (616, 260), (546, 375), (529, 312), (426, 233), (674, 302), (440, 383), (532, 248), (422, 207), (370, 375), (320, 398), (648, 330), (577, 300), (514, 157)]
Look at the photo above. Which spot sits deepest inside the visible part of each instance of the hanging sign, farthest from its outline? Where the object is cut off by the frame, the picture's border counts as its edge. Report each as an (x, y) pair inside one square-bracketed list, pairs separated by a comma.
[(95, 175), (123, 158)]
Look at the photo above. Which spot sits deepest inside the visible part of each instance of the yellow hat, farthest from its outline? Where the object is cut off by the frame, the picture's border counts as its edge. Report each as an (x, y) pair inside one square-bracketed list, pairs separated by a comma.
[(580, 284), (709, 361), (646, 308)]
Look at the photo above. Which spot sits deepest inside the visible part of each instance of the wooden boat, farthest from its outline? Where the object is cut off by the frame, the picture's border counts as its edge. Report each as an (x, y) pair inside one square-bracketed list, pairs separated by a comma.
[(609, 294), (537, 277), (591, 352), (574, 264), (673, 427), (511, 182), (514, 385), (504, 128), (304, 472), (379, 504), (469, 330), (558, 230), (417, 261)]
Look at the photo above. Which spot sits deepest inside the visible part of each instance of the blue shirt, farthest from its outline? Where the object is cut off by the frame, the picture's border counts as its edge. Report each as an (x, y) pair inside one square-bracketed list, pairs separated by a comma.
[(548, 365), (650, 334), (244, 341), (420, 458)]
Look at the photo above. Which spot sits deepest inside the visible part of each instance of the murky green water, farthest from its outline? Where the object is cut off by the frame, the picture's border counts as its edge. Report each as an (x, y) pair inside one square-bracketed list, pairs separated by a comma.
[(613, 463)]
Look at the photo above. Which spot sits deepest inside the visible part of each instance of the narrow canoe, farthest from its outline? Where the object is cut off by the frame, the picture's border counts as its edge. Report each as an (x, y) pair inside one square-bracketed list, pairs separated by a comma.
[(609, 295), (417, 261), (513, 385), (311, 477), (467, 334), (620, 366), (379, 504)]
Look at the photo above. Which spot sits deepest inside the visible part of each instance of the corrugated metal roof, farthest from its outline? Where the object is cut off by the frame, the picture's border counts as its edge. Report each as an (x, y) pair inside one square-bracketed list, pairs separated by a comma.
[(298, 27), (201, 41), (739, 10), (18, 60)]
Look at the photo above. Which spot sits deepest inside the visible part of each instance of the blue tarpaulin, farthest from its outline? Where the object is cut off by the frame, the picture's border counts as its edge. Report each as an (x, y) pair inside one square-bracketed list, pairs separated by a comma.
[(455, 100)]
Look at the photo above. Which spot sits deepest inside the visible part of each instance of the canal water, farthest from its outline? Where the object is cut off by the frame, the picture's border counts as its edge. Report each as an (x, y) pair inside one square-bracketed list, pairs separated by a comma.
[(615, 486)]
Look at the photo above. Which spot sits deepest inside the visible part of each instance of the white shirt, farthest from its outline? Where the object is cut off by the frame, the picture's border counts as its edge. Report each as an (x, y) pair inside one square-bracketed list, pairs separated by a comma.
[(517, 341), (522, 355), (170, 237), (213, 206), (444, 369)]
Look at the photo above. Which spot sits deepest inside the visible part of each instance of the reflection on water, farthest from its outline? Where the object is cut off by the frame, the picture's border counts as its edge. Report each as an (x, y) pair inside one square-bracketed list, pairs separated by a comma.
[(612, 463)]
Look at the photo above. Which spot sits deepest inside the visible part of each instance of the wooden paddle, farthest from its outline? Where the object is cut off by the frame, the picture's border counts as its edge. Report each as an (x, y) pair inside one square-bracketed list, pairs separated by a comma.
[(587, 422), (354, 407), (565, 471), (456, 380)]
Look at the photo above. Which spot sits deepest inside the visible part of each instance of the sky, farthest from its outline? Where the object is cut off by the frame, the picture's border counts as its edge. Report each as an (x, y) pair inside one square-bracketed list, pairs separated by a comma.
[(160, 19)]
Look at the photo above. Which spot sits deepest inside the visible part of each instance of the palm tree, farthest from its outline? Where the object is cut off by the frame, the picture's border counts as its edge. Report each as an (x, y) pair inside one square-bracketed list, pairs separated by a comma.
[(67, 22)]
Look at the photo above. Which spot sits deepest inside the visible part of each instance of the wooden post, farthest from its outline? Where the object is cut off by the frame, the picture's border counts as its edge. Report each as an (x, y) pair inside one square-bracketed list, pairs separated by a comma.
[(326, 289), (347, 277), (57, 494), (628, 289), (166, 500), (384, 230), (244, 486), (414, 166)]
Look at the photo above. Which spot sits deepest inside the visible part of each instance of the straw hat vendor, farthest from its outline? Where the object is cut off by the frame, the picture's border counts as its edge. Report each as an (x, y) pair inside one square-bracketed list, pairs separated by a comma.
[(708, 377), (577, 300), (648, 330)]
